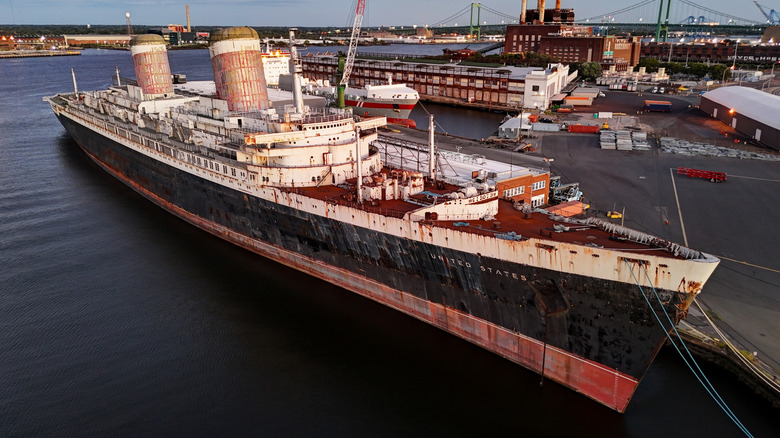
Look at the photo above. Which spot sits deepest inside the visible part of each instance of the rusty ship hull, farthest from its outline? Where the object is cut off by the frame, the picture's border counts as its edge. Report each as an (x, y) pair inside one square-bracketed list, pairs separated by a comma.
[(595, 336), (575, 300)]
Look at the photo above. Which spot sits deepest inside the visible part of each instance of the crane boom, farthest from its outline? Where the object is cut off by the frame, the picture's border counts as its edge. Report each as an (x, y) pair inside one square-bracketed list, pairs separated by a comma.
[(772, 17), (762, 10), (356, 25)]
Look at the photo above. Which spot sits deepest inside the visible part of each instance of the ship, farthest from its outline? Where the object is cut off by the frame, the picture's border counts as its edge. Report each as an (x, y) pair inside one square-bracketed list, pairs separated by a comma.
[(575, 299), (393, 101)]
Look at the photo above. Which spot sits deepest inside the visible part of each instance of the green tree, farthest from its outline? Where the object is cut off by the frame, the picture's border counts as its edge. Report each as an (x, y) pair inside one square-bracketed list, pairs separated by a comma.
[(698, 69), (673, 67), (650, 64), (590, 70), (720, 72)]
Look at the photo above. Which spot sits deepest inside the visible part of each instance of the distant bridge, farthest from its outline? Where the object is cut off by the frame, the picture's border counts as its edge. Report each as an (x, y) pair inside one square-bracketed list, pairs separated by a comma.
[(684, 15)]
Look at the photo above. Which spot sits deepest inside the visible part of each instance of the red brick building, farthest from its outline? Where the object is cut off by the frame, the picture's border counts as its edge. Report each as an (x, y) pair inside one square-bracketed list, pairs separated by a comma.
[(607, 50), (528, 37), (569, 43), (7, 42), (529, 188)]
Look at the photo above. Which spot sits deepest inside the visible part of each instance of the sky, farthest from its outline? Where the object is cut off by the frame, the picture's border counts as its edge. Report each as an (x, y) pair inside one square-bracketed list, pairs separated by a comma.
[(306, 12)]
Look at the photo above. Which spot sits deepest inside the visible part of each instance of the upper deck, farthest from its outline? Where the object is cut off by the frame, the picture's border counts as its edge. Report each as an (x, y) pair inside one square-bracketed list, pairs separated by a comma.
[(509, 223)]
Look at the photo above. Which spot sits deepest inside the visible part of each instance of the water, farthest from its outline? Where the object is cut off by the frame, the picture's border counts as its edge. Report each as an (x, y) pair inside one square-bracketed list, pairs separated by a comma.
[(118, 319)]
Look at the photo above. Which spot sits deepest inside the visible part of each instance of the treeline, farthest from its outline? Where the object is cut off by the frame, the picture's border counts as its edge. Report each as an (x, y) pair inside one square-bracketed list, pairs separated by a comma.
[(72, 29)]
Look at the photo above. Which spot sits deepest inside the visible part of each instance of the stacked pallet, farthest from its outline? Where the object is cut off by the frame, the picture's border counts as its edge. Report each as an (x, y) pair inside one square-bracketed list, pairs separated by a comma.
[(677, 146), (623, 140), (607, 140), (640, 141)]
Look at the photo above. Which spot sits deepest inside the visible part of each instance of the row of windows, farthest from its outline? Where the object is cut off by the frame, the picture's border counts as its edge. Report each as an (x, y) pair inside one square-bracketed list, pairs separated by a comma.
[(532, 37), (192, 159), (514, 191), (538, 185)]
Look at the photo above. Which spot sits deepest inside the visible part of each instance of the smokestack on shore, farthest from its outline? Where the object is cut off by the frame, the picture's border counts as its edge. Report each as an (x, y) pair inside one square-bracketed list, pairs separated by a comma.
[(522, 13), (540, 6), (238, 68), (558, 5), (189, 29)]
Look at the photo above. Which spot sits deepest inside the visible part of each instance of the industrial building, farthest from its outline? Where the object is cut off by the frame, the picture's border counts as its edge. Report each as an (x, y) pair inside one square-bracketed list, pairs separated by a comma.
[(499, 88), (749, 111), (708, 52), (567, 42)]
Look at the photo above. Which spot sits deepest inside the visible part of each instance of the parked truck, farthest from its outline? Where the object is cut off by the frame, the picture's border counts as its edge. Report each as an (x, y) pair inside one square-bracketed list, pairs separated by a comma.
[(658, 105)]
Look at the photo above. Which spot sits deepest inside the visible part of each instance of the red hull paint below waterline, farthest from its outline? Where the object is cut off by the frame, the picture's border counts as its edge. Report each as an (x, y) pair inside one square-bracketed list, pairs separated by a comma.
[(600, 383)]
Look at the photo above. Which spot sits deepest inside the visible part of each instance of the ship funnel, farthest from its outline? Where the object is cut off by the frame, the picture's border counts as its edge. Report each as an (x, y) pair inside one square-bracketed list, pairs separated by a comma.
[(152, 71), (236, 58)]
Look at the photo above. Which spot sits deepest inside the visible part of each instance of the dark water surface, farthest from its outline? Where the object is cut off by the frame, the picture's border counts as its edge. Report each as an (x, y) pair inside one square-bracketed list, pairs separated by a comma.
[(117, 319)]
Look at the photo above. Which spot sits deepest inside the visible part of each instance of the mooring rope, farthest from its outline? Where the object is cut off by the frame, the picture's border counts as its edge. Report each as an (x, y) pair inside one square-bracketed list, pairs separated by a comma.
[(707, 386)]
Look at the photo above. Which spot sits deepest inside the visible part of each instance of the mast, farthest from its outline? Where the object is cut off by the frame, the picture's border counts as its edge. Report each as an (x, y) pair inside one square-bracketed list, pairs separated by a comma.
[(358, 162), (297, 69), (431, 149)]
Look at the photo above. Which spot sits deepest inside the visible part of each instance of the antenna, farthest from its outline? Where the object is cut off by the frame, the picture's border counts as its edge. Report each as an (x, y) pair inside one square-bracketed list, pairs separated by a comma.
[(129, 26)]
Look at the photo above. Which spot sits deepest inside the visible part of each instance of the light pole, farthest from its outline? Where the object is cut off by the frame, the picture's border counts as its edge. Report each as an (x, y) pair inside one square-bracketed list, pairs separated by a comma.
[(769, 81), (734, 64)]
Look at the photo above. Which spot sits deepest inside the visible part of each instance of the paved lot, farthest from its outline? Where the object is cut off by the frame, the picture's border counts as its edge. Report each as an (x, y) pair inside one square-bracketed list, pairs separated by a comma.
[(734, 220)]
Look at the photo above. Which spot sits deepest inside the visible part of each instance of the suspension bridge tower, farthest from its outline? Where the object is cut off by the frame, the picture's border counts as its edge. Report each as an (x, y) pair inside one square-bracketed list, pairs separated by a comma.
[(478, 7), (662, 27)]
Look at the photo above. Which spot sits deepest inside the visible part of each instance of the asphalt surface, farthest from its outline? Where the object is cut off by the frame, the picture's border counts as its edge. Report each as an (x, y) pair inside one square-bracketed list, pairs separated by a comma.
[(736, 220)]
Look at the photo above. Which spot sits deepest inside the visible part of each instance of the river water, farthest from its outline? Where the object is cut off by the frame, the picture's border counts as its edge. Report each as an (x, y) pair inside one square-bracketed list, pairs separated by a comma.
[(117, 319)]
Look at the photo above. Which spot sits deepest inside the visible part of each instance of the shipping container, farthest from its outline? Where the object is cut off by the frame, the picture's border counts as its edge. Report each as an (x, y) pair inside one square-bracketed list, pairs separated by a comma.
[(658, 105), (546, 127)]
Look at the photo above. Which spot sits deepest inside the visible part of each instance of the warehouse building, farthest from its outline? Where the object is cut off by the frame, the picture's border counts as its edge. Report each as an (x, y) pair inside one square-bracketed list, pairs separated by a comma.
[(749, 111)]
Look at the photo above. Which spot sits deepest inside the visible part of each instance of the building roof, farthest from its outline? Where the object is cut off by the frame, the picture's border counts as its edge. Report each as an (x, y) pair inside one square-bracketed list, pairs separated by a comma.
[(91, 37), (757, 105)]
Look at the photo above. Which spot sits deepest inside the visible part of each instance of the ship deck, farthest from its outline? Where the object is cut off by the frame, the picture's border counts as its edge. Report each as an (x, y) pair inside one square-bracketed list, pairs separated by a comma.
[(508, 220)]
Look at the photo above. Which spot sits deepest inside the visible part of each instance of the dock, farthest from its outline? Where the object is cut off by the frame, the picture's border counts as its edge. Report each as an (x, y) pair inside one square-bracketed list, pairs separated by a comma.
[(38, 53)]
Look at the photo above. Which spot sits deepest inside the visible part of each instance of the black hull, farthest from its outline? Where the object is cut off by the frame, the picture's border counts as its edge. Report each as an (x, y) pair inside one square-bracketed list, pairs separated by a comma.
[(604, 322)]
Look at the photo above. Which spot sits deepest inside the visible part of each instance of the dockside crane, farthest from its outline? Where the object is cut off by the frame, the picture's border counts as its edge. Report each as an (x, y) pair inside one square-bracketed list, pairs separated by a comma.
[(353, 40), (773, 17)]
